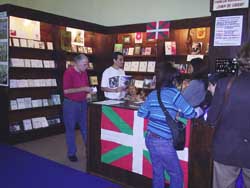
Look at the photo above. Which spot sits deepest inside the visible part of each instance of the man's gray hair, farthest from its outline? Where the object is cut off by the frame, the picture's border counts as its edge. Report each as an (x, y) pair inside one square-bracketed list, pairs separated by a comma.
[(80, 57)]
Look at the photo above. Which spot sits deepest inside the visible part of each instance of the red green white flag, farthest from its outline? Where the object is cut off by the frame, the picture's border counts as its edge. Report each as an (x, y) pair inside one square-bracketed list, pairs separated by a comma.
[(158, 30), (123, 143)]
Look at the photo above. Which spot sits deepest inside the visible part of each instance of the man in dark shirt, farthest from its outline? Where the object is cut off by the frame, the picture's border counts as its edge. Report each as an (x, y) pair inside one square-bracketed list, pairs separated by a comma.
[(231, 142)]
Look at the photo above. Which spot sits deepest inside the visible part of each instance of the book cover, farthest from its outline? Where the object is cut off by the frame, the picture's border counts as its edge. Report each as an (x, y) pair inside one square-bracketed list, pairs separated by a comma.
[(151, 66), (90, 50), (170, 48), (138, 50), (13, 105), (65, 40), (148, 51), (49, 45), (45, 102), (28, 102), (36, 44), (138, 37), (56, 99), (127, 66), (31, 44), (134, 66), (124, 81), (15, 127), (15, 42), (27, 125), (20, 103), (131, 51), (93, 80), (147, 83), (139, 83), (125, 51), (23, 43), (42, 45), (143, 66), (91, 66), (118, 47), (27, 62)]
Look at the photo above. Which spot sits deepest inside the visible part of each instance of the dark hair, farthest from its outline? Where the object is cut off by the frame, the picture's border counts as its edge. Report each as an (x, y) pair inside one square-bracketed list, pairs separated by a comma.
[(165, 74), (200, 68), (244, 58), (115, 55)]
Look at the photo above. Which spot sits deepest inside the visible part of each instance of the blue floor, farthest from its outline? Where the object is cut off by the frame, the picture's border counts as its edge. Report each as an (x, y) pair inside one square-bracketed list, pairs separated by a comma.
[(20, 169)]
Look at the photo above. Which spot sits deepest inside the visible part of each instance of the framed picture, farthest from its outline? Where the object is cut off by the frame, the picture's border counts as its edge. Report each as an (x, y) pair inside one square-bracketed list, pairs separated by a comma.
[(127, 39)]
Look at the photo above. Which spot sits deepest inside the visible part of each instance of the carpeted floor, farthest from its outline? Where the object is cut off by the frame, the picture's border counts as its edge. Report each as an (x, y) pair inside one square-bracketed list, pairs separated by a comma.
[(21, 169), (54, 148)]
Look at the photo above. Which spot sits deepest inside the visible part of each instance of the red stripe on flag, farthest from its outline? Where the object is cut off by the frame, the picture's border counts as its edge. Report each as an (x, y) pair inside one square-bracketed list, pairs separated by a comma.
[(107, 146), (163, 35), (151, 35), (164, 25), (188, 132), (151, 26), (147, 168), (184, 166), (126, 115), (124, 162), (107, 124)]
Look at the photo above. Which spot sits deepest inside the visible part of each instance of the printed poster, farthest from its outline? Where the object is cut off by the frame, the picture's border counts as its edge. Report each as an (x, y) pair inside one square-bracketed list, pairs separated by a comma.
[(228, 31), (229, 4)]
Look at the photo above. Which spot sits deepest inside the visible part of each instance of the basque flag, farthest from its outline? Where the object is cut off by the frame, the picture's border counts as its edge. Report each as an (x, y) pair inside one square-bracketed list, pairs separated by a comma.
[(158, 30)]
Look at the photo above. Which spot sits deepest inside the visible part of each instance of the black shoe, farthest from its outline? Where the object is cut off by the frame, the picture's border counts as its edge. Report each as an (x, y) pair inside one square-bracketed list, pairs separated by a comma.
[(73, 158)]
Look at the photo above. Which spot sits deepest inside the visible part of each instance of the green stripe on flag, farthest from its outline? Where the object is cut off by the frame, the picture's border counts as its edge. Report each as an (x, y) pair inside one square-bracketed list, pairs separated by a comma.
[(146, 154), (116, 154), (117, 120)]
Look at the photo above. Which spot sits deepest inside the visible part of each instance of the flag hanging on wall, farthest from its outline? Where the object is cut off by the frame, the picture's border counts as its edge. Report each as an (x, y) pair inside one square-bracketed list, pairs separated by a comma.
[(158, 30), (123, 143)]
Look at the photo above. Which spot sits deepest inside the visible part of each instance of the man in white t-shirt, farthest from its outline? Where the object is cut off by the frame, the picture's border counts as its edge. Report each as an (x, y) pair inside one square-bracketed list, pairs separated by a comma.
[(111, 84)]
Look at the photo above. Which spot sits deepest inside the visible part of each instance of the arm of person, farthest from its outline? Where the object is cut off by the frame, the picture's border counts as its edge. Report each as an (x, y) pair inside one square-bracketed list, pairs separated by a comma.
[(185, 109), (144, 110), (77, 90)]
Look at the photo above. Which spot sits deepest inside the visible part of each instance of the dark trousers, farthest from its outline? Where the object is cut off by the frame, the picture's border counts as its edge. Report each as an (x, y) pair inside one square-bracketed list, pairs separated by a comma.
[(74, 113)]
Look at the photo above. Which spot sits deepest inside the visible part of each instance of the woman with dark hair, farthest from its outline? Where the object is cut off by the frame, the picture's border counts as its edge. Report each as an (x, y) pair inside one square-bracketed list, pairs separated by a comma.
[(159, 137)]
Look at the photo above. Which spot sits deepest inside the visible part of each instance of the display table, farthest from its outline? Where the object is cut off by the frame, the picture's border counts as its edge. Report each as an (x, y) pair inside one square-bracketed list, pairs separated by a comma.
[(116, 148)]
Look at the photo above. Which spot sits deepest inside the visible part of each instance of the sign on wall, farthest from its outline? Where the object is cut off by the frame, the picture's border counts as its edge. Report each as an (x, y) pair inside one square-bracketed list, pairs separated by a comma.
[(228, 31), (4, 47), (229, 4)]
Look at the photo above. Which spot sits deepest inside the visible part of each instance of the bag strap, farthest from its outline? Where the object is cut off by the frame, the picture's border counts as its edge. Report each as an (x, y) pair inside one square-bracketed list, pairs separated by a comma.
[(164, 109), (225, 100)]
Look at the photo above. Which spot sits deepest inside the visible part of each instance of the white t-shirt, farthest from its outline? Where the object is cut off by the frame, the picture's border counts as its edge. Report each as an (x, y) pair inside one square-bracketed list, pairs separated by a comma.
[(111, 79)]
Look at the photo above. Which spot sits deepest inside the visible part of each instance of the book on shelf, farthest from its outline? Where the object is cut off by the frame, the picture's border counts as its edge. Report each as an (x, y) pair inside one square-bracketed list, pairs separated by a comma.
[(13, 105), (10, 42), (27, 124), (170, 48), (85, 50), (36, 63), (27, 63), (90, 50), (16, 42), (45, 102), (23, 43), (56, 99), (148, 83), (36, 44), (138, 83), (31, 43), (137, 50), (48, 63), (28, 102), (20, 103), (151, 66), (15, 127), (42, 45), (65, 39), (90, 66), (127, 66), (80, 49), (93, 80), (131, 51), (36, 103), (143, 66), (125, 51), (53, 120), (39, 122), (118, 47), (49, 45), (16, 62), (134, 66), (148, 51)]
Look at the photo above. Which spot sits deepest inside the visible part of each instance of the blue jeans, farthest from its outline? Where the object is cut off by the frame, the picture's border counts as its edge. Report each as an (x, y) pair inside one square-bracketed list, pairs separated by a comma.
[(164, 157), (73, 113)]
